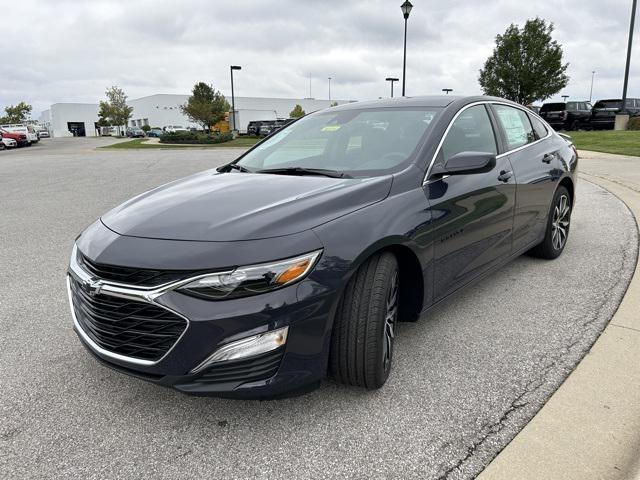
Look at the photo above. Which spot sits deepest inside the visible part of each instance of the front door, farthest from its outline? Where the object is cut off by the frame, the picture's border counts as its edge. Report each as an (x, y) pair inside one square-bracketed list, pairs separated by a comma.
[(472, 215)]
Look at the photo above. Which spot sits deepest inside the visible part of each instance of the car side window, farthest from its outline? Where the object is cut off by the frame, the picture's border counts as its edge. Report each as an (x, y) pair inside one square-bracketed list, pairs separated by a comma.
[(538, 127), (516, 125), (470, 132)]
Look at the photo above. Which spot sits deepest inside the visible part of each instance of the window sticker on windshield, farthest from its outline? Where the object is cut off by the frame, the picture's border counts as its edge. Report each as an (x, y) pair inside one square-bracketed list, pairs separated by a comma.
[(331, 128)]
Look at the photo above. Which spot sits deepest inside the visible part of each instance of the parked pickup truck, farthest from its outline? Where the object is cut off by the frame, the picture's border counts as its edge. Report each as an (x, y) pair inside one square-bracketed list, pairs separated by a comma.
[(20, 138)]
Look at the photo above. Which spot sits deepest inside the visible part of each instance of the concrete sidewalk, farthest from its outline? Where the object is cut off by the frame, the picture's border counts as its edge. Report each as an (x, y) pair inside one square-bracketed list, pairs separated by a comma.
[(590, 428)]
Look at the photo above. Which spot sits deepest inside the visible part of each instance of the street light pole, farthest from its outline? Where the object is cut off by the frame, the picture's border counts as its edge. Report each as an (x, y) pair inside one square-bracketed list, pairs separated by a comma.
[(329, 91), (233, 98), (406, 10), (564, 97), (391, 79), (626, 70), (591, 91), (447, 90)]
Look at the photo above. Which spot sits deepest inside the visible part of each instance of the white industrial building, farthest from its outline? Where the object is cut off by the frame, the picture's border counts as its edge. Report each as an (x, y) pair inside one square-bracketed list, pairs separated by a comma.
[(160, 110)]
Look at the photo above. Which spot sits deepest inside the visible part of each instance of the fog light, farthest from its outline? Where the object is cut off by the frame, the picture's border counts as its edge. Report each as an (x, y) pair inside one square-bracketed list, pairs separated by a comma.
[(247, 347)]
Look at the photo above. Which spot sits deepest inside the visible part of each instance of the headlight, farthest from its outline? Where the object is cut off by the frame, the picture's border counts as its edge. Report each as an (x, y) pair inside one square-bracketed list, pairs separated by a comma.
[(252, 280)]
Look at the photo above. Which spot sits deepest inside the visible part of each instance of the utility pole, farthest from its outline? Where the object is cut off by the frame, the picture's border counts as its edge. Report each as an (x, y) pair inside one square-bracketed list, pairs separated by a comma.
[(591, 91)]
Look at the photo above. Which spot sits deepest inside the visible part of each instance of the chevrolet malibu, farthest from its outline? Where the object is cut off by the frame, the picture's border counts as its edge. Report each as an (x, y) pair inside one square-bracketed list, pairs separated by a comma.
[(296, 261)]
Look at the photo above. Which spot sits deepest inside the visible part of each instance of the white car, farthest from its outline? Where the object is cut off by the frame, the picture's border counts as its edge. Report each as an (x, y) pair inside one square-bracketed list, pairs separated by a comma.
[(43, 134), (175, 128), (28, 130), (9, 142)]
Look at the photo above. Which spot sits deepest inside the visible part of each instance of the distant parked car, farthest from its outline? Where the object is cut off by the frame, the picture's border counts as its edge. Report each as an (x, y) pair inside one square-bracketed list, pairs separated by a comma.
[(266, 127), (20, 138), (603, 115), (135, 132), (155, 132), (43, 134), (253, 128), (280, 124), (6, 142), (567, 116), (175, 128)]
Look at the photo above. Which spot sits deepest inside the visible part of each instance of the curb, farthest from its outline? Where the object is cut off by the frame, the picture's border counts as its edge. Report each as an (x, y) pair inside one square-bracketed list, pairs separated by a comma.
[(590, 427)]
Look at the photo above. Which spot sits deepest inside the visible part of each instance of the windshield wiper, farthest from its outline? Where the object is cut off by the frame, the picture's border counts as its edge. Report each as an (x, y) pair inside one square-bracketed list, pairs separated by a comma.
[(233, 166), (305, 171)]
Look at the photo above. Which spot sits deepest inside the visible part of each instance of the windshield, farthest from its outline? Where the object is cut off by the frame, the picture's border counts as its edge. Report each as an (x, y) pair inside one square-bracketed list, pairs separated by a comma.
[(361, 143), (609, 104), (553, 107)]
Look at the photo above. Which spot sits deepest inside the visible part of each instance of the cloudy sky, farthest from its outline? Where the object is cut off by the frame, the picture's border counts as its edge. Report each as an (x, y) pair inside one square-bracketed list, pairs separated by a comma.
[(70, 51)]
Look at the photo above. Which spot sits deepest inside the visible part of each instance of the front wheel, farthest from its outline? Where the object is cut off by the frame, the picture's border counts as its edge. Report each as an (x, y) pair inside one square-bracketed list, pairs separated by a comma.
[(364, 327), (558, 223)]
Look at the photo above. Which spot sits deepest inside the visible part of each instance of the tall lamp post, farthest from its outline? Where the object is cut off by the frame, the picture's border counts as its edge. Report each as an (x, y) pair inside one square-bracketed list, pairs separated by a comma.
[(591, 91), (626, 69), (329, 91), (406, 10), (233, 98), (564, 97), (391, 79), (447, 90)]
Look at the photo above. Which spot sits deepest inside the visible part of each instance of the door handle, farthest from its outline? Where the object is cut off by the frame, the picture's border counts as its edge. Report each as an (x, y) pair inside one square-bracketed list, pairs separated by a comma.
[(505, 175), (548, 157)]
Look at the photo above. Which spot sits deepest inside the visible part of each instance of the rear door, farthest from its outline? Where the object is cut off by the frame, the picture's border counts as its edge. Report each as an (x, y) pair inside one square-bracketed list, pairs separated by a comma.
[(472, 214), (534, 157)]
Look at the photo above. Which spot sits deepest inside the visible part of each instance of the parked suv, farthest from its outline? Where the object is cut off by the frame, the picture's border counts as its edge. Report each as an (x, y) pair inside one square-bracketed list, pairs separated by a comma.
[(603, 115), (567, 116), (134, 132)]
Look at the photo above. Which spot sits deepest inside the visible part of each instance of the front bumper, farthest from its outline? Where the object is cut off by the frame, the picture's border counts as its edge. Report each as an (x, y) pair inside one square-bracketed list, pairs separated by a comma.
[(305, 308)]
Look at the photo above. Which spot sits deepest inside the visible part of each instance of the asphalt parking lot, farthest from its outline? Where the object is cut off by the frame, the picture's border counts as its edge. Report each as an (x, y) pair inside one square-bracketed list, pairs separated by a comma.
[(466, 378)]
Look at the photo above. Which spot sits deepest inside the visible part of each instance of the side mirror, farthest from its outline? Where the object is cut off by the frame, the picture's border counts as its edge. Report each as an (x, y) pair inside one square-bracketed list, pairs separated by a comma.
[(464, 163)]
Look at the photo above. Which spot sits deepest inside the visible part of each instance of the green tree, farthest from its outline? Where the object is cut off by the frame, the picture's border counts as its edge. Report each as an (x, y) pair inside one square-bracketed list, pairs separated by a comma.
[(334, 104), (19, 113), (526, 64), (115, 111), (297, 112), (206, 106), (104, 114)]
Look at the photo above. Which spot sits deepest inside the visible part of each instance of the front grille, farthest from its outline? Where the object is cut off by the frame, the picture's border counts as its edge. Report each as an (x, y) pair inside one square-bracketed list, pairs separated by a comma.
[(126, 327), (252, 369), (138, 277)]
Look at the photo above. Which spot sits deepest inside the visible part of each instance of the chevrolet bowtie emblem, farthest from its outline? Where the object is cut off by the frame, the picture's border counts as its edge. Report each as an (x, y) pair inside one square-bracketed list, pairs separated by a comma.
[(92, 286)]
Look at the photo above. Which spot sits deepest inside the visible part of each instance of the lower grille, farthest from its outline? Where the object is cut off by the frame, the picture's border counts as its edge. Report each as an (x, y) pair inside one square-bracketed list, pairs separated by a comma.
[(252, 369), (126, 327)]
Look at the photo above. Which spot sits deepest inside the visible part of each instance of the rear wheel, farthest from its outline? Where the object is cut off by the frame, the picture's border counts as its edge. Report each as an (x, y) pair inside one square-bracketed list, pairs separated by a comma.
[(558, 224), (364, 327)]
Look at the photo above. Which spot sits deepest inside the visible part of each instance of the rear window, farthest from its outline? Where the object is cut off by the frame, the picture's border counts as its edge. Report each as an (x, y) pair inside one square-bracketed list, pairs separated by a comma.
[(609, 104), (553, 107)]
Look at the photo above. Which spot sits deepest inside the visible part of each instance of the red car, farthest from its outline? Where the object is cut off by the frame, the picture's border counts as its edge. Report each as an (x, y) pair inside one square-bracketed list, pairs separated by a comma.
[(20, 138)]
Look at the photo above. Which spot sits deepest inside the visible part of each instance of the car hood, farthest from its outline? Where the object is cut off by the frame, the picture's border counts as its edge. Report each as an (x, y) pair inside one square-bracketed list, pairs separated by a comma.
[(210, 206)]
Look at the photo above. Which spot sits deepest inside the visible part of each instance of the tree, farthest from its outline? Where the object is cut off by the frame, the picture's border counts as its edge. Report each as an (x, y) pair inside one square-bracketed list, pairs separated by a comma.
[(297, 112), (115, 111), (17, 113), (526, 64), (206, 106), (334, 104)]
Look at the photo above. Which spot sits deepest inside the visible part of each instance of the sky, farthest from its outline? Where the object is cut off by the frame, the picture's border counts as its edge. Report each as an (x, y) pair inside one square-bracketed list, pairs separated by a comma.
[(71, 51)]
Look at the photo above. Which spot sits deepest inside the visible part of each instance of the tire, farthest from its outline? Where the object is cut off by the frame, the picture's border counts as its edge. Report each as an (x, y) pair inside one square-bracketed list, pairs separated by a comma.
[(363, 330), (558, 223), (575, 126)]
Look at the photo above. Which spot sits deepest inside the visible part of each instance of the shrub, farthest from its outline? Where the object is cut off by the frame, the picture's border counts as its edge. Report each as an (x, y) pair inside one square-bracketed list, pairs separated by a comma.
[(634, 123), (145, 128), (195, 138)]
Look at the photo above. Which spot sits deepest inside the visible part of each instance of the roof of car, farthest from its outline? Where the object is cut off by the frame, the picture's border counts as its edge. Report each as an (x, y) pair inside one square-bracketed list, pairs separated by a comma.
[(420, 101)]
